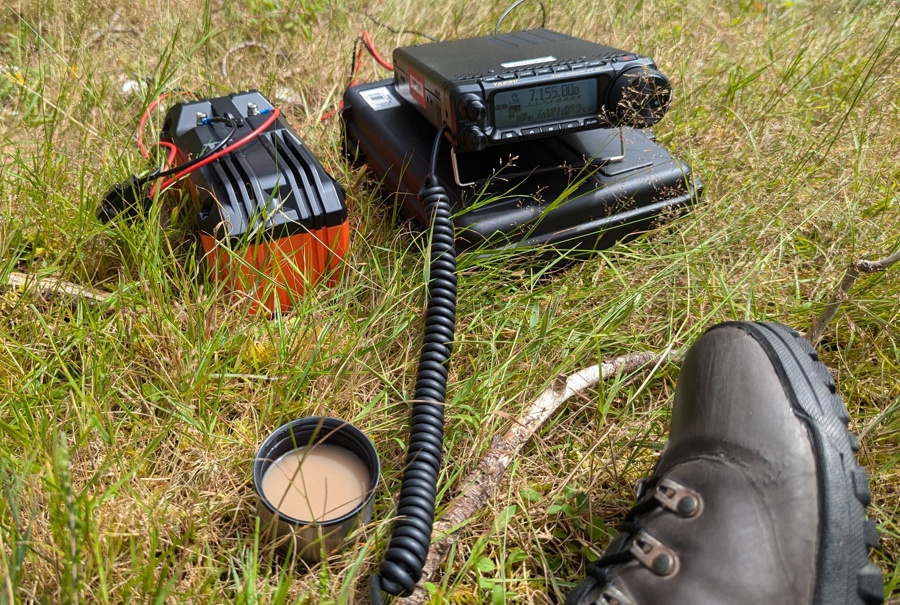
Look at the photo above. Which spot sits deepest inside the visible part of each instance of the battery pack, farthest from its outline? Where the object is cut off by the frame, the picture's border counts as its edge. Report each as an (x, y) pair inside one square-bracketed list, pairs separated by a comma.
[(574, 192), (272, 220)]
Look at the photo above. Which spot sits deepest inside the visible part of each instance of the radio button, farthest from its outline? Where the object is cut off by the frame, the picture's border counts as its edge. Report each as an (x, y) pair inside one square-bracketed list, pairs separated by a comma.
[(509, 134), (491, 79), (507, 76), (527, 132), (473, 138), (473, 107), (525, 74), (561, 68), (570, 125), (543, 71), (577, 65), (594, 63), (591, 121), (551, 128)]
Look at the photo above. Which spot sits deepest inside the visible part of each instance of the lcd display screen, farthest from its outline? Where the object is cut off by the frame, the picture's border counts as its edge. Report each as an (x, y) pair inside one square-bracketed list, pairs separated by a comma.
[(550, 102)]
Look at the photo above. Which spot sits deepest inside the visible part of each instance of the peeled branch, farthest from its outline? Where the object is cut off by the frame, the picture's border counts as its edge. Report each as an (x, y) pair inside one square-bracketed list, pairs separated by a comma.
[(480, 485), (52, 287)]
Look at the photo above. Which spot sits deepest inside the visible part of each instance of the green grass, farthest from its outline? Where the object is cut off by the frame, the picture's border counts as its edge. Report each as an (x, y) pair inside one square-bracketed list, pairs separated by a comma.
[(127, 429)]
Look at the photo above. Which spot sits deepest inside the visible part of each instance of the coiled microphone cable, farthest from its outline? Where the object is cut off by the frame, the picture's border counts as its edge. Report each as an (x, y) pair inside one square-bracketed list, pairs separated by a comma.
[(408, 547)]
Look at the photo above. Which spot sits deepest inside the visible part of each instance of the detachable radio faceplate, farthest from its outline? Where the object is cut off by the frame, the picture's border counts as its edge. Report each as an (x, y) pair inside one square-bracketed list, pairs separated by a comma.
[(525, 85)]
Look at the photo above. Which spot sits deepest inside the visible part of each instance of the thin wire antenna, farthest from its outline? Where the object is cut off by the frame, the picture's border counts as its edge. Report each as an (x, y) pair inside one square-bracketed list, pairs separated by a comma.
[(399, 31), (514, 7)]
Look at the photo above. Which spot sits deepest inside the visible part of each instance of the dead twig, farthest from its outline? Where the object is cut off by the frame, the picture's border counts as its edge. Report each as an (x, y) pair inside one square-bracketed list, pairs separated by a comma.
[(112, 27), (53, 287), (841, 293), (479, 485)]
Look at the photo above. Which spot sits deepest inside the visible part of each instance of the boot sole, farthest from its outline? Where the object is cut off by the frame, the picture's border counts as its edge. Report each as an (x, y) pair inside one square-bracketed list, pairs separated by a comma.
[(846, 575)]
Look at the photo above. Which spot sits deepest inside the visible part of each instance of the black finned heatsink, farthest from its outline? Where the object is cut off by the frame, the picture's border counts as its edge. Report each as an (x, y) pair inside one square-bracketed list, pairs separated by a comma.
[(271, 186)]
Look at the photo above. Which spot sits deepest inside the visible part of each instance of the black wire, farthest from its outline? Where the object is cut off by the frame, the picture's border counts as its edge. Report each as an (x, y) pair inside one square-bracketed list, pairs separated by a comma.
[(354, 57), (367, 46), (411, 538), (399, 32), (432, 166), (214, 149)]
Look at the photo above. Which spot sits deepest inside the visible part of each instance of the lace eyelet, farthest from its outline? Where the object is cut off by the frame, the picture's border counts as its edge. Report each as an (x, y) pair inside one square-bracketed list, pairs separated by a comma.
[(677, 498), (654, 555)]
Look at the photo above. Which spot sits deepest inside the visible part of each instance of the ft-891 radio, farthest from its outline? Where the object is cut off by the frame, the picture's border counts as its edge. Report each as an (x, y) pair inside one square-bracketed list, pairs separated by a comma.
[(500, 89)]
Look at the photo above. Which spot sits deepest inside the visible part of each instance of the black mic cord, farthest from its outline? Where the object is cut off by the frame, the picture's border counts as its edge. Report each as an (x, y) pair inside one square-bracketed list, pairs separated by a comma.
[(411, 538)]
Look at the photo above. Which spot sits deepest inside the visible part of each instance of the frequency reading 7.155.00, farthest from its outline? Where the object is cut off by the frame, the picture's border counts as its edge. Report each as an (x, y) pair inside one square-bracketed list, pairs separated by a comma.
[(516, 108)]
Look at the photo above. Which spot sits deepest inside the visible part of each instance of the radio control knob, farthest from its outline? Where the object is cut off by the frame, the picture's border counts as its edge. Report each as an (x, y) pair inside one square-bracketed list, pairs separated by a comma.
[(472, 107), (473, 138), (638, 97)]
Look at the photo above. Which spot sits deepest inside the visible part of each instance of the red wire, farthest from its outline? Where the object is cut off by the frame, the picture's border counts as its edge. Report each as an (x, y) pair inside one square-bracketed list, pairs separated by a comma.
[(173, 151), (170, 159), (370, 46), (331, 113), (146, 115), (144, 118), (215, 156), (351, 85)]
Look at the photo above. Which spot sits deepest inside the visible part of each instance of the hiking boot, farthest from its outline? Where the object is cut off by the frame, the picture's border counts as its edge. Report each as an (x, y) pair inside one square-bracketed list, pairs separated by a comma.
[(757, 497)]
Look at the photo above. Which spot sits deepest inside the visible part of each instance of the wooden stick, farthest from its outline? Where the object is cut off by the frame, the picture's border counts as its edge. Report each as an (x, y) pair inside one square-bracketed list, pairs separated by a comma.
[(54, 287), (478, 487), (841, 293)]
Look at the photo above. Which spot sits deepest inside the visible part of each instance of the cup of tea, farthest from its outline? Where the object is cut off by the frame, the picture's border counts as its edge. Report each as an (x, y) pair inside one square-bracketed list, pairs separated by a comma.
[(315, 481)]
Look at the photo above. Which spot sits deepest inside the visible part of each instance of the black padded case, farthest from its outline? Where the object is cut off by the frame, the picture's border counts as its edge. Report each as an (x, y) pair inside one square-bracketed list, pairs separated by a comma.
[(566, 191)]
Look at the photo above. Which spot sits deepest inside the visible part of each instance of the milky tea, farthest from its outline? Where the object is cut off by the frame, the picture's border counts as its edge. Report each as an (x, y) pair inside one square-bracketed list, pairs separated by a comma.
[(316, 483)]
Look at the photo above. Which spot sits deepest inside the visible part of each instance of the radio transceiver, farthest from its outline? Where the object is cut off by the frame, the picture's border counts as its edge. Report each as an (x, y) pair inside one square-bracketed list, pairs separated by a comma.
[(535, 83)]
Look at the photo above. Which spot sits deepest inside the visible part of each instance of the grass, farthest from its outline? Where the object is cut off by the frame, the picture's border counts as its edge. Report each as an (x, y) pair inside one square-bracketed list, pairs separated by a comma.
[(127, 430)]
